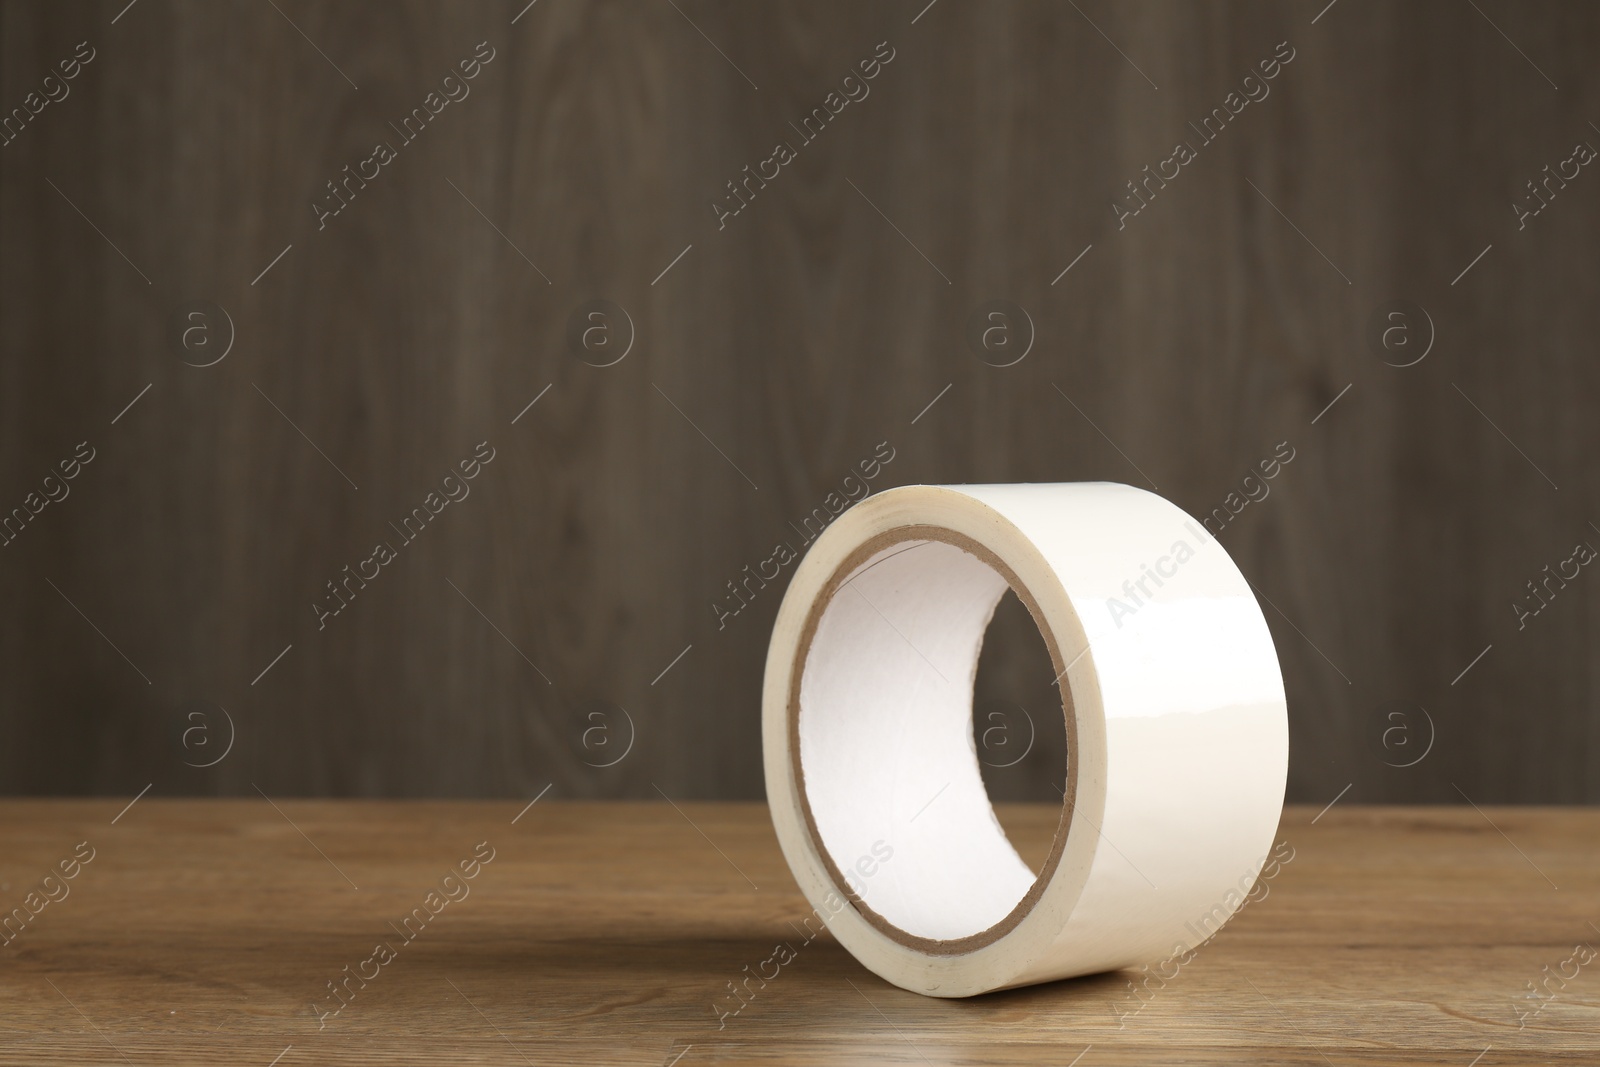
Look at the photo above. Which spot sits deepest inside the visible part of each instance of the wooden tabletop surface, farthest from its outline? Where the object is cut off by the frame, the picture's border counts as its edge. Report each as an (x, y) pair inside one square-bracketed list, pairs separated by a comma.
[(210, 932)]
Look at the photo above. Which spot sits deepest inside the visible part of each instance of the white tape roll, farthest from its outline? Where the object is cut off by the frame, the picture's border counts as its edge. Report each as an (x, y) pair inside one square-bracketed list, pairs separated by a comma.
[(1177, 733)]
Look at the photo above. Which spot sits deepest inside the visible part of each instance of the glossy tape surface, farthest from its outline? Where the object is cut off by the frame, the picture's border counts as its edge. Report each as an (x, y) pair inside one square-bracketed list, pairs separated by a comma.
[(1177, 727)]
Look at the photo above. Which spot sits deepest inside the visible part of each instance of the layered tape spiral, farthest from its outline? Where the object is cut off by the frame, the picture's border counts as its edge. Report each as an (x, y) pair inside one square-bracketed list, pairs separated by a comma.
[(1176, 725)]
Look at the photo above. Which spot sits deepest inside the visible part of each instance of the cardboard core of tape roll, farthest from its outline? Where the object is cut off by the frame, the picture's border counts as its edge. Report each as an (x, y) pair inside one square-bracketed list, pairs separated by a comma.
[(897, 630)]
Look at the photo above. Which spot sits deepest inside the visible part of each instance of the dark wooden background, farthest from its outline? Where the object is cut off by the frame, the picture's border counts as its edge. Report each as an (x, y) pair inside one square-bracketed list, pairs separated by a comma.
[(1221, 321)]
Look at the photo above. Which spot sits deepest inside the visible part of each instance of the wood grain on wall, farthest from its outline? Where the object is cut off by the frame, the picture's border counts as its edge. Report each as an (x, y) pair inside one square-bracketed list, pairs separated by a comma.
[(521, 638)]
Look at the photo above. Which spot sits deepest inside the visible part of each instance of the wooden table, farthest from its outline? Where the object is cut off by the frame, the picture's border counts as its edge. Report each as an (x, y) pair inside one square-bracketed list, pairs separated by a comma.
[(208, 932)]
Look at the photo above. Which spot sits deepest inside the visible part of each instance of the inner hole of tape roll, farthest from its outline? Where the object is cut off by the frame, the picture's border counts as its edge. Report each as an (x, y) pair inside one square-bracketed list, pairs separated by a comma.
[(1018, 730), (890, 768)]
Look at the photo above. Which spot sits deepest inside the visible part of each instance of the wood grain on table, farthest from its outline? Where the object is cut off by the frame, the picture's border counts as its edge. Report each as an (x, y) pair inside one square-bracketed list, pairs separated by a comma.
[(204, 932)]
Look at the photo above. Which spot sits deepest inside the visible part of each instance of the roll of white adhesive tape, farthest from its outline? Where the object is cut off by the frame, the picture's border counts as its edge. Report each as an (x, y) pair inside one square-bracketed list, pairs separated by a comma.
[(1177, 733)]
